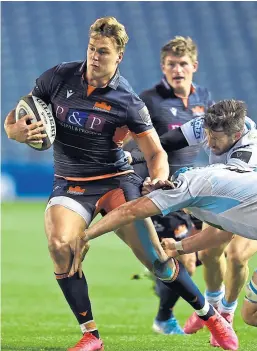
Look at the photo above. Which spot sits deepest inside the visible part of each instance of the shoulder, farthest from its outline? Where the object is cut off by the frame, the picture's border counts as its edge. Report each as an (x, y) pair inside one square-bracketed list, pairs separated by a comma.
[(152, 100), (249, 123), (148, 93), (201, 91), (125, 87), (246, 149), (67, 68), (61, 71), (131, 97)]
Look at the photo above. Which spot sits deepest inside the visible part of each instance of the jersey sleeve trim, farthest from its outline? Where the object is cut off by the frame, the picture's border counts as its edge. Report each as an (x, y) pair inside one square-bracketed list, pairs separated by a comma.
[(146, 132)]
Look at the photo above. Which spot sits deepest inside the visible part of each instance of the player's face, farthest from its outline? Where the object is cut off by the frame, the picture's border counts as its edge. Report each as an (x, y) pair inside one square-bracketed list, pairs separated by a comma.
[(220, 142), (103, 58), (179, 72)]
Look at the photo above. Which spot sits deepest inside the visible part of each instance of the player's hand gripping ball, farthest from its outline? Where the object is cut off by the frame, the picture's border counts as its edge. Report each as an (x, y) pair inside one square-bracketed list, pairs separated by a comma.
[(38, 109)]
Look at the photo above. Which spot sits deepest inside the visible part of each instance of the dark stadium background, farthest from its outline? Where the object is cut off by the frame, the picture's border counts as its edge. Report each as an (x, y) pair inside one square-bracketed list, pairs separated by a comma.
[(38, 35)]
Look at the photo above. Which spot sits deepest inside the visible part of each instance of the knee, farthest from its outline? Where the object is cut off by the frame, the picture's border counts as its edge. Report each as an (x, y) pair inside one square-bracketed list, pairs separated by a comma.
[(208, 256), (163, 271), (57, 243), (249, 317), (236, 258)]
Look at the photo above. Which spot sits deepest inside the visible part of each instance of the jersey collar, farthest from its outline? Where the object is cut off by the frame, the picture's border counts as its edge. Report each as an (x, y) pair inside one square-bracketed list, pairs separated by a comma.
[(114, 81), (167, 91)]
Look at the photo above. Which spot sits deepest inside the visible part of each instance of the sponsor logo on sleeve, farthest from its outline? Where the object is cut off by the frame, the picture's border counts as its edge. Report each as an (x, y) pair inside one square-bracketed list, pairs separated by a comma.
[(145, 116), (197, 125), (242, 155)]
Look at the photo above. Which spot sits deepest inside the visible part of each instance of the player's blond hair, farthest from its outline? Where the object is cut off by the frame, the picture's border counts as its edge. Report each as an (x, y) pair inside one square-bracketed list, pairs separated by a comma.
[(180, 46), (111, 28)]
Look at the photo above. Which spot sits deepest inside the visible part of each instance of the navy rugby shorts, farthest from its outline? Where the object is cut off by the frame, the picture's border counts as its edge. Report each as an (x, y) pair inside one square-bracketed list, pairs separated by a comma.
[(88, 198)]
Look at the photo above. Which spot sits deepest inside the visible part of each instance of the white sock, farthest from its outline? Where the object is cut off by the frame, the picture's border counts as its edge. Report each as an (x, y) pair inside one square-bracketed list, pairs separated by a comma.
[(227, 307), (203, 311), (215, 297)]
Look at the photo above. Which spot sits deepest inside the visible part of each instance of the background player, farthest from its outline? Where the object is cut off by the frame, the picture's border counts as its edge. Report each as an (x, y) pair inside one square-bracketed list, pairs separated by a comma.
[(172, 102)]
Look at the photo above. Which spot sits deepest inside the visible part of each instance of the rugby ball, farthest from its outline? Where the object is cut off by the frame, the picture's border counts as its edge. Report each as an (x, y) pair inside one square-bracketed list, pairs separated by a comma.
[(38, 109)]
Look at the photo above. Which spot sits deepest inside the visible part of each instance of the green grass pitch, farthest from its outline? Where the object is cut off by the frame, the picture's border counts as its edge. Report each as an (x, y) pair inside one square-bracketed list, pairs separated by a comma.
[(35, 316)]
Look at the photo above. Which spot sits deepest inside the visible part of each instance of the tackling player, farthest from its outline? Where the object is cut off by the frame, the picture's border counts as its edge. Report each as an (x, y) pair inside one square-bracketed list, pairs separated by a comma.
[(172, 102), (225, 132), (93, 105), (225, 196)]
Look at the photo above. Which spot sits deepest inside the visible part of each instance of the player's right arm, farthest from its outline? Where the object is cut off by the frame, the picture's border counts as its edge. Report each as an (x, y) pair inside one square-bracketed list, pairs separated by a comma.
[(22, 131), (208, 238), (190, 133)]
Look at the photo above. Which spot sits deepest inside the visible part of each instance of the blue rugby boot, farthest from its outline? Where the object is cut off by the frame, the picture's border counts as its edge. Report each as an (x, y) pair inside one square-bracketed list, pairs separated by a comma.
[(168, 327)]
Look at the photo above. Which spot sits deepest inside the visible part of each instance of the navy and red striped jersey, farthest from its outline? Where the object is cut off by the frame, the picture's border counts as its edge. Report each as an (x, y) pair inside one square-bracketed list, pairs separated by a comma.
[(169, 111), (91, 122)]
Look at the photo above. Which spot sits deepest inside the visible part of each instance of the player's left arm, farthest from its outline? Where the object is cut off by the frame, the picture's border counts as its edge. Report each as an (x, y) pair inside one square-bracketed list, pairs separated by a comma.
[(156, 158), (140, 124), (208, 238)]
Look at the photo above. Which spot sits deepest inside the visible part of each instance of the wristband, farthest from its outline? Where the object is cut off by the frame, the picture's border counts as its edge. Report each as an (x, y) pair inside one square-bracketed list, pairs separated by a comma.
[(179, 247)]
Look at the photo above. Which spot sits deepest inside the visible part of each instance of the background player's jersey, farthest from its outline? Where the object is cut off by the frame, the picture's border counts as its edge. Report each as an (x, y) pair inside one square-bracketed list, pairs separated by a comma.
[(90, 122), (170, 112), (218, 194), (243, 152)]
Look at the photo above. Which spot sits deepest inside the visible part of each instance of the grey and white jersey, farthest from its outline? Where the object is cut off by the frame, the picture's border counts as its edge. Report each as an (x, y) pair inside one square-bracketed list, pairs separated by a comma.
[(218, 194), (244, 152)]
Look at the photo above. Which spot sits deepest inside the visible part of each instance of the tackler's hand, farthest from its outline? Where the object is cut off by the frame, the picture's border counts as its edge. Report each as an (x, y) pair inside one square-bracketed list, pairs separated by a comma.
[(79, 248), (151, 185), (168, 245)]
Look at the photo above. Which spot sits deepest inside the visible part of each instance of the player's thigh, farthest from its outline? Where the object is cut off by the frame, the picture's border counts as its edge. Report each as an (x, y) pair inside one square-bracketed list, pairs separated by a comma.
[(63, 223), (241, 249), (69, 209)]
